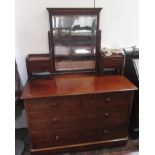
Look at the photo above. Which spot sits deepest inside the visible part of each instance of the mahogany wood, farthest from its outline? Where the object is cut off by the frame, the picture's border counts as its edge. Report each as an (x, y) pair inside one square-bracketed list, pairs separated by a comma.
[(77, 112), (115, 61), (74, 11), (64, 85), (37, 63), (79, 147)]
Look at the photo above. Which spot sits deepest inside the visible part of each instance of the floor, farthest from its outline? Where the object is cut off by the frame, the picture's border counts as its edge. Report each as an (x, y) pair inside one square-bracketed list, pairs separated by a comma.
[(131, 146)]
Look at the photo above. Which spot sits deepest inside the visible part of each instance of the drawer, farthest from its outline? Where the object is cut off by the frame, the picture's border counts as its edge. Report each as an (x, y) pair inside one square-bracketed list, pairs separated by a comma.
[(52, 104), (113, 59), (75, 102), (107, 99), (39, 66), (112, 64), (61, 137), (68, 118)]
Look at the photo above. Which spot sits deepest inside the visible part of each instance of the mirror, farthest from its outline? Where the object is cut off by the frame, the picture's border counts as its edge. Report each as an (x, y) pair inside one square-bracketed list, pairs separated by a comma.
[(74, 41)]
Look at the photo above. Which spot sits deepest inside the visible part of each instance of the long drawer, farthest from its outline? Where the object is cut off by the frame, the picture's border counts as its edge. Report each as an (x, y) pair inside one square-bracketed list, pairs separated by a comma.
[(67, 118), (68, 136), (81, 101)]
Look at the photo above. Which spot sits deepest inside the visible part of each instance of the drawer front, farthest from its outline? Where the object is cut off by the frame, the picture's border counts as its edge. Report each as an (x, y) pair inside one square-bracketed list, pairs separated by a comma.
[(52, 104), (83, 101), (39, 66), (113, 59), (113, 64), (79, 117), (56, 113), (57, 121), (107, 99), (77, 135)]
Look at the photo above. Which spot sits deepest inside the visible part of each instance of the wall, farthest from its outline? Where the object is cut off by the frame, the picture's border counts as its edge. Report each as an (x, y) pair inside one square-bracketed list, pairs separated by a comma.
[(119, 25), (119, 22)]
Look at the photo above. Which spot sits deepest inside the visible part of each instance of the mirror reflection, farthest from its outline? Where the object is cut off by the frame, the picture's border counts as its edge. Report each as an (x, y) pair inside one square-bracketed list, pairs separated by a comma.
[(74, 41)]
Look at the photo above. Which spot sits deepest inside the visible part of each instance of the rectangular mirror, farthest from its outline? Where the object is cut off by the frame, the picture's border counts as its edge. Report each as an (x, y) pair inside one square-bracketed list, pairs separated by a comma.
[(74, 39)]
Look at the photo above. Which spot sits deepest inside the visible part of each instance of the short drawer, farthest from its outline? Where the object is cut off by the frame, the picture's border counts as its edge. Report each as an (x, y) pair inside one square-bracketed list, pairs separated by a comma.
[(52, 104), (112, 63), (107, 99), (113, 58), (50, 138), (39, 66)]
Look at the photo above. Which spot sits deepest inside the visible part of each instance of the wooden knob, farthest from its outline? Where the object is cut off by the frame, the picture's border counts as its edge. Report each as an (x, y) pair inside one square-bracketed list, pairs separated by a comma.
[(108, 100), (106, 114), (54, 104), (105, 131), (55, 119), (57, 137)]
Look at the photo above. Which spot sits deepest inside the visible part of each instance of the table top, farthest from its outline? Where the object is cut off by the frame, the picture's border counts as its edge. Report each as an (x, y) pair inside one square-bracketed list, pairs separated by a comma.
[(66, 85)]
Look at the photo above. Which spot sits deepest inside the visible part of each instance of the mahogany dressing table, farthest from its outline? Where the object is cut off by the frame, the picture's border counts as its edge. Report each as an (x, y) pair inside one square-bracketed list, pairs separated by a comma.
[(75, 109)]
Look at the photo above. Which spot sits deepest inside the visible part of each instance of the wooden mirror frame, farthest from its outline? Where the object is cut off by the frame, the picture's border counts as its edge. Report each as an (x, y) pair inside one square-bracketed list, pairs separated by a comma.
[(73, 11)]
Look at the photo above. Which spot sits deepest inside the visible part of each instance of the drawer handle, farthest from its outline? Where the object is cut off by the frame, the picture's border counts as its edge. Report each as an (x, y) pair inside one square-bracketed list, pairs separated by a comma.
[(54, 104), (108, 100), (56, 120), (105, 131), (106, 114), (57, 138)]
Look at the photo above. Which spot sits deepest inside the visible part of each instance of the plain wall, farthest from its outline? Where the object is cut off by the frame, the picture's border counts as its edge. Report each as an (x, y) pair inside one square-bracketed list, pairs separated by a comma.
[(118, 22)]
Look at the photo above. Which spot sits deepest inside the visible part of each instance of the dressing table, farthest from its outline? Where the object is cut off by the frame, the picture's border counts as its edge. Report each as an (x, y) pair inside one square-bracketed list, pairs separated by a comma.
[(76, 108)]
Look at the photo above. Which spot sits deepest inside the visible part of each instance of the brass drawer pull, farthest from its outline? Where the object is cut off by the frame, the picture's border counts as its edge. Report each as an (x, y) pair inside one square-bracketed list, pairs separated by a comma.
[(108, 99), (57, 138)]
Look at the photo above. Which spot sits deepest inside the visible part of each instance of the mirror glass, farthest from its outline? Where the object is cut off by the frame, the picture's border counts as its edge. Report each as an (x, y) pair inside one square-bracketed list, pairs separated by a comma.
[(74, 41)]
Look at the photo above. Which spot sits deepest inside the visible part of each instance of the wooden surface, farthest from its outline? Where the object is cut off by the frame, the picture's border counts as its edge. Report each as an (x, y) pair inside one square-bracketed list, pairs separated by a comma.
[(77, 112), (74, 85), (38, 57), (38, 63), (73, 12), (115, 61)]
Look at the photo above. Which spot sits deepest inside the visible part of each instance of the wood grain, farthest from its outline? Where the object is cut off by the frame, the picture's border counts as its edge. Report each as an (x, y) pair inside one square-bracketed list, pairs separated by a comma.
[(75, 85), (76, 112)]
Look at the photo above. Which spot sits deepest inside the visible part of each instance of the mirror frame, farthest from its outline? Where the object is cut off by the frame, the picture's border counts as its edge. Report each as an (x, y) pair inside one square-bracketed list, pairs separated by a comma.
[(74, 11)]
